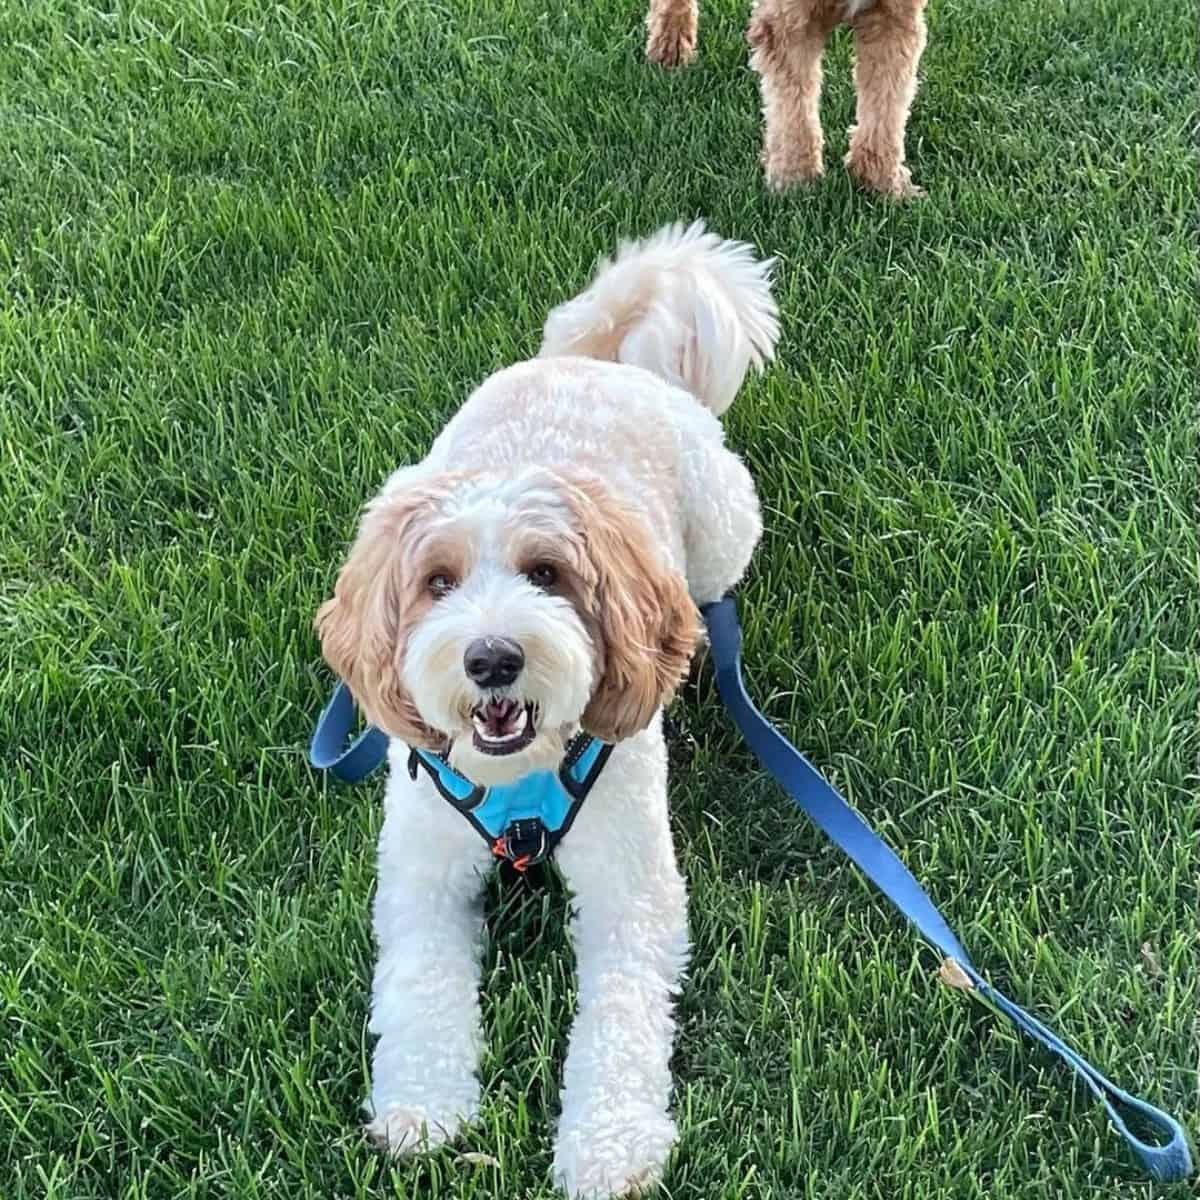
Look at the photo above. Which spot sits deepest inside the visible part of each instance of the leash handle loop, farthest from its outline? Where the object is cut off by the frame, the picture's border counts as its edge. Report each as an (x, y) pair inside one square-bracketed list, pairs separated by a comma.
[(1169, 1161), (833, 814)]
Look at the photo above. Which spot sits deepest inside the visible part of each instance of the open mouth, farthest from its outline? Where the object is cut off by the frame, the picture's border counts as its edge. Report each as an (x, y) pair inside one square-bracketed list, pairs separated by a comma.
[(502, 726)]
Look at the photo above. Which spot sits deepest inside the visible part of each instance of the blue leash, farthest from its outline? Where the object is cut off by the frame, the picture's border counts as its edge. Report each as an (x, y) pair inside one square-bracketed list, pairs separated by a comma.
[(329, 752), (825, 805)]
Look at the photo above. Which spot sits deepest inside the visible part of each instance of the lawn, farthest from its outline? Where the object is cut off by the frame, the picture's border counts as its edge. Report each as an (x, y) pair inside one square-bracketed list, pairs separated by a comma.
[(254, 254)]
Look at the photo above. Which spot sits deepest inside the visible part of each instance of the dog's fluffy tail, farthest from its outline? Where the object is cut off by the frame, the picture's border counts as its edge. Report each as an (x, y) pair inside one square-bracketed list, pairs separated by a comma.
[(691, 307)]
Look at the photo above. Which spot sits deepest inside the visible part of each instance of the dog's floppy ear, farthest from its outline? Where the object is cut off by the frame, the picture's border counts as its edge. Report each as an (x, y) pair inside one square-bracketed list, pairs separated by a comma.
[(639, 611), (364, 627)]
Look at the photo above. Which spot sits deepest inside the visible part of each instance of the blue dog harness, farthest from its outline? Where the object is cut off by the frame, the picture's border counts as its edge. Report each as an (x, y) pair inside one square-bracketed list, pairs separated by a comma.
[(521, 822), (524, 821), (545, 798)]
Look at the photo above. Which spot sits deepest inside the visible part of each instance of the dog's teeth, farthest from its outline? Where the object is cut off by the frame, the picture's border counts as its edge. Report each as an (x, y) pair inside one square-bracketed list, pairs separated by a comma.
[(483, 727), (513, 718)]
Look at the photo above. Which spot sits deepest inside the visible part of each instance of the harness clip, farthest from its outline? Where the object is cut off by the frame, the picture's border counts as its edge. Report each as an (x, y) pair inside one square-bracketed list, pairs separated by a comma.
[(523, 843)]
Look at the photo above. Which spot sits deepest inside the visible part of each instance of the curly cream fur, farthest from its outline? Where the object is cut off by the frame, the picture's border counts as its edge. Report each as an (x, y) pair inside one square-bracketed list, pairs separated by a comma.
[(581, 504), (691, 307)]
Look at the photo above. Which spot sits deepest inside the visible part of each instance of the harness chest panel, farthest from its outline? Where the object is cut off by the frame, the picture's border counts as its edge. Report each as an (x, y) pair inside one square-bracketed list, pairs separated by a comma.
[(523, 821)]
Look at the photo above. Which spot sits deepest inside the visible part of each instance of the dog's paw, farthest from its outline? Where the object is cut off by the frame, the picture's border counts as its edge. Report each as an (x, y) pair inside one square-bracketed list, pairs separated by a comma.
[(903, 188), (897, 185), (613, 1155), (781, 176), (792, 159), (876, 174), (671, 42), (402, 1131)]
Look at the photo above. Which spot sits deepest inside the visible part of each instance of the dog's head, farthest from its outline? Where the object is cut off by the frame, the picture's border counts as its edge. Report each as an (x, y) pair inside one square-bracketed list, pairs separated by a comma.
[(494, 618)]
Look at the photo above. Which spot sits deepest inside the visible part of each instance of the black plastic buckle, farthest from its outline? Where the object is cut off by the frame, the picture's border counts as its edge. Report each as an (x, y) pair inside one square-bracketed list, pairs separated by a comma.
[(526, 842)]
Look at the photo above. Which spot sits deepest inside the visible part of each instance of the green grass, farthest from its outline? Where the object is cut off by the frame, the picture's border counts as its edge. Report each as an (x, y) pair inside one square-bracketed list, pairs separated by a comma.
[(254, 254)]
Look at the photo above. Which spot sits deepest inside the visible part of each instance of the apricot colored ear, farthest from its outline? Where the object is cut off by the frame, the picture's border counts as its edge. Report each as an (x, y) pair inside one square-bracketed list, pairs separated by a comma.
[(645, 618), (364, 627)]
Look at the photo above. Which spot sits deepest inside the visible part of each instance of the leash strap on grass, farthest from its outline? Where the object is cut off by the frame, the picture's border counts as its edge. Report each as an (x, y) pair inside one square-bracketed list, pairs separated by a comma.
[(329, 752), (822, 802)]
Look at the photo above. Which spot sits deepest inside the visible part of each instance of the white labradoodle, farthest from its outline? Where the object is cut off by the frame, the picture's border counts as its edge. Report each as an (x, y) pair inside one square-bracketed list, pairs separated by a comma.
[(538, 575)]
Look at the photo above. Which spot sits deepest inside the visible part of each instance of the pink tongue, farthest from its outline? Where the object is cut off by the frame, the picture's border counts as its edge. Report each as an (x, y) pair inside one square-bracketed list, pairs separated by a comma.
[(500, 714)]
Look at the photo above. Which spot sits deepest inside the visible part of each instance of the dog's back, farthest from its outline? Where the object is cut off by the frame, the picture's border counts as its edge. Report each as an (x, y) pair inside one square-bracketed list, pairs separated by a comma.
[(627, 386)]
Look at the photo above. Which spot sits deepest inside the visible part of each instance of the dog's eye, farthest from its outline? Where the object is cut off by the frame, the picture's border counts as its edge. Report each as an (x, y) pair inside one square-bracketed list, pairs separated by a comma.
[(440, 584), (543, 575)]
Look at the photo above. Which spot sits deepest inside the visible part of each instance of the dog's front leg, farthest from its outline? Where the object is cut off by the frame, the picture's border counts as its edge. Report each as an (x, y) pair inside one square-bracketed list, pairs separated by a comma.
[(887, 48), (631, 941), (425, 994)]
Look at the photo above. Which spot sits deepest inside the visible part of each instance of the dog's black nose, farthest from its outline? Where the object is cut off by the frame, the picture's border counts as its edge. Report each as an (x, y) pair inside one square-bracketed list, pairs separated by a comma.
[(493, 661)]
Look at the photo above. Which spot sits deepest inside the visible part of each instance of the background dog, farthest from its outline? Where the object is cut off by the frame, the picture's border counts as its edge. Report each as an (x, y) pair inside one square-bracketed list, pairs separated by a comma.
[(788, 40)]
